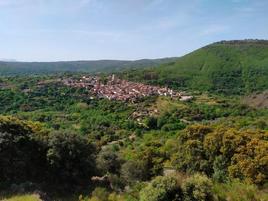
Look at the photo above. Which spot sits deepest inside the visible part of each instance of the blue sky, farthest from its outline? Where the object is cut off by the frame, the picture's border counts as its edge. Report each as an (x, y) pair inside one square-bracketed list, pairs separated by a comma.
[(53, 30)]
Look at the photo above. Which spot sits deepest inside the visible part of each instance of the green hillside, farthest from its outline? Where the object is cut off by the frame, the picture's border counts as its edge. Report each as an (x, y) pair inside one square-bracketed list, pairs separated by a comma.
[(226, 67), (93, 66)]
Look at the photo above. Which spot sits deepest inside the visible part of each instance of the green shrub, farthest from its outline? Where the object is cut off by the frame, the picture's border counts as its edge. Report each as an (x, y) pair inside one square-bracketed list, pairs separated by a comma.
[(71, 158), (108, 161), (100, 194), (237, 191), (161, 189), (133, 171), (22, 156), (151, 122), (223, 152), (197, 188)]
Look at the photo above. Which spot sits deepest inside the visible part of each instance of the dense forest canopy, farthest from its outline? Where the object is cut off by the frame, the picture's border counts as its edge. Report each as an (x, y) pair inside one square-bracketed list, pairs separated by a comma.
[(227, 67)]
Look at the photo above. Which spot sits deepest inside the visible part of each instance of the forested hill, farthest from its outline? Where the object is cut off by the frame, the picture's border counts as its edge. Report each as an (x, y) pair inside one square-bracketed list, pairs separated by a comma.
[(94, 66), (227, 67), (230, 67)]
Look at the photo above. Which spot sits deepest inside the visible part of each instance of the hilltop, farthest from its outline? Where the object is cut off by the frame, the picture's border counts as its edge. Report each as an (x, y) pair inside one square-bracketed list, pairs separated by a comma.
[(236, 67)]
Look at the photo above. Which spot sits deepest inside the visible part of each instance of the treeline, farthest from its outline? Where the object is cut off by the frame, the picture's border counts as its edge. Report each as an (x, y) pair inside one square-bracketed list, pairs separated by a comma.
[(94, 66)]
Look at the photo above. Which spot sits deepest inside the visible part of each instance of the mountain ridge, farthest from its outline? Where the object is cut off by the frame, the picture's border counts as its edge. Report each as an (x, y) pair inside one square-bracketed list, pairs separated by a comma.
[(89, 66), (229, 67), (238, 66)]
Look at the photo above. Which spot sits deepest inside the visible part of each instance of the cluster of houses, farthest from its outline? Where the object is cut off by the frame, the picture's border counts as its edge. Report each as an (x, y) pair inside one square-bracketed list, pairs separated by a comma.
[(118, 89), (87, 82), (3, 85)]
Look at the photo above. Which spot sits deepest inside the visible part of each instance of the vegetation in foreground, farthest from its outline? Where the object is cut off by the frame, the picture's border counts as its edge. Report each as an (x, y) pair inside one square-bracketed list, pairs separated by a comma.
[(59, 142), (23, 198)]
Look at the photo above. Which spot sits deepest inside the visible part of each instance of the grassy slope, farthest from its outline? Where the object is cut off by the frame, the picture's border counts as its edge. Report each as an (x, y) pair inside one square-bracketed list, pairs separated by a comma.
[(227, 67)]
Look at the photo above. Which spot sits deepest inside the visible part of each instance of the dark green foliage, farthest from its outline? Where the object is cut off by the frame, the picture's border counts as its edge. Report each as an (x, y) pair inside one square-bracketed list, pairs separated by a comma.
[(21, 155), (197, 188), (134, 171), (151, 122), (27, 154), (70, 158), (51, 95), (162, 189), (105, 116), (108, 162)]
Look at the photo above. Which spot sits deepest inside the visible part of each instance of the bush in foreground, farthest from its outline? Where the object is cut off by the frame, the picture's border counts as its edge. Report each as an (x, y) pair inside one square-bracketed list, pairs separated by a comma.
[(162, 189), (197, 188), (238, 191)]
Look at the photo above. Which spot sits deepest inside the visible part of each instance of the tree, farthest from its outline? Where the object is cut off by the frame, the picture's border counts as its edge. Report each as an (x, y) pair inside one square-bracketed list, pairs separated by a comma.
[(71, 158), (133, 171), (250, 162), (162, 189), (191, 156), (108, 161), (197, 188), (21, 154)]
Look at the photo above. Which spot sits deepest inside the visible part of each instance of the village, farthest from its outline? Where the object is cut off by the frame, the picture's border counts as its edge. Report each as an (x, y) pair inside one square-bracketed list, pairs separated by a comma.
[(117, 89)]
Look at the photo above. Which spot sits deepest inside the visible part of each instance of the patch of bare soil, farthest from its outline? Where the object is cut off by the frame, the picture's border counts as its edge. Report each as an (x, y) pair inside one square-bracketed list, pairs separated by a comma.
[(258, 100)]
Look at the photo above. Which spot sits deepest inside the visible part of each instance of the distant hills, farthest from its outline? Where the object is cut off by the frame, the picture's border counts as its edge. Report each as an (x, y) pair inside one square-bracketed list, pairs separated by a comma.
[(19, 68), (237, 67)]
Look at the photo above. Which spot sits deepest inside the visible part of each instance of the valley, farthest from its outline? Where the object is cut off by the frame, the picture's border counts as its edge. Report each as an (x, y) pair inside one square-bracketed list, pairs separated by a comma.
[(122, 90), (144, 134), (133, 100)]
